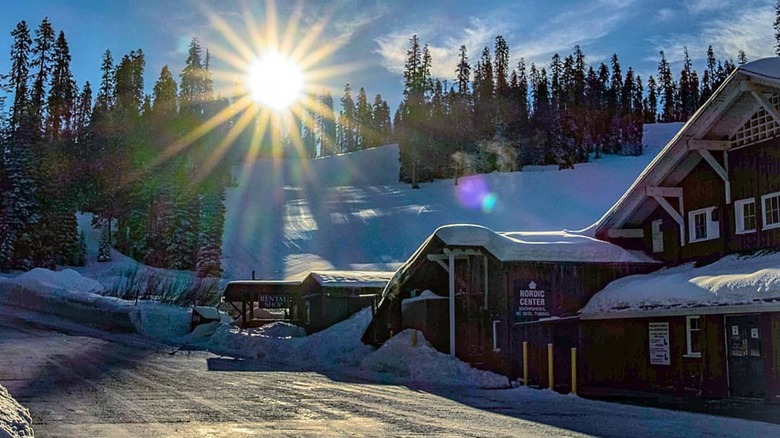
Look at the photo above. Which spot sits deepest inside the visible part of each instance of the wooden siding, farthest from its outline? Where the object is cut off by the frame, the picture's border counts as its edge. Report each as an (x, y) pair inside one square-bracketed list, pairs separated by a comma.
[(616, 354), (753, 171)]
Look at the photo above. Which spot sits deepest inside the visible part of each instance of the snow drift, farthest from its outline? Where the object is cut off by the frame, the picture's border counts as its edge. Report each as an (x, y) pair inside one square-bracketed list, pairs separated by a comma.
[(15, 419)]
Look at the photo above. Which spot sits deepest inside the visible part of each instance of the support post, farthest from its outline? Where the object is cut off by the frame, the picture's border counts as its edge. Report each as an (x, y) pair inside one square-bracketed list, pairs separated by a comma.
[(550, 366), (414, 338), (525, 363), (574, 370), (452, 303)]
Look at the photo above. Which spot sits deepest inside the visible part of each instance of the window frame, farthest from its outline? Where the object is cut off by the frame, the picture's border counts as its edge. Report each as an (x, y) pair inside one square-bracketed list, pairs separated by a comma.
[(712, 227), (688, 331), (765, 223), (739, 216)]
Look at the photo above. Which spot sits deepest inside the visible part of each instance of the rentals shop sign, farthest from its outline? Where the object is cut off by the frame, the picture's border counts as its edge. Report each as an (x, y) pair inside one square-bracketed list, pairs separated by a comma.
[(532, 301), (273, 301)]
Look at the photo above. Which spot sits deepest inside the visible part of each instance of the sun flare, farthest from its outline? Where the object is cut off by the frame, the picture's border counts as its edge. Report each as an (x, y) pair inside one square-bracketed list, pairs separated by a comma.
[(275, 81)]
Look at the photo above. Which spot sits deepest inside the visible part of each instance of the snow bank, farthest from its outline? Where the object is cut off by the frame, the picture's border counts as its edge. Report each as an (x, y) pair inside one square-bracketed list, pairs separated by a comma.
[(15, 419), (283, 343), (733, 280), (161, 321), (538, 246), (423, 363), (64, 283)]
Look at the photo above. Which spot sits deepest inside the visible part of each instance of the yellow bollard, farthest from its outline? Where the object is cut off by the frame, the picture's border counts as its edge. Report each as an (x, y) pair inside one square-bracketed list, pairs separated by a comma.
[(414, 338), (573, 370), (525, 363), (550, 366)]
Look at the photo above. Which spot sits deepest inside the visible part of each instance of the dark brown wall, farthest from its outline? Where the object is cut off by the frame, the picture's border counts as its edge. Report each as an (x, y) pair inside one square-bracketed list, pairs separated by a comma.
[(616, 353), (753, 171)]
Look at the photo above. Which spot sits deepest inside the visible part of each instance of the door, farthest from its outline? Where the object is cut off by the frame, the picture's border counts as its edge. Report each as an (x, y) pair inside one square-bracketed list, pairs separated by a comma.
[(745, 359), (472, 316)]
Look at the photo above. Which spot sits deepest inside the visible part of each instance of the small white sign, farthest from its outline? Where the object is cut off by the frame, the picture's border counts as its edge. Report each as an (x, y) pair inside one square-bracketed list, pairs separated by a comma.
[(659, 343), (735, 330), (754, 333)]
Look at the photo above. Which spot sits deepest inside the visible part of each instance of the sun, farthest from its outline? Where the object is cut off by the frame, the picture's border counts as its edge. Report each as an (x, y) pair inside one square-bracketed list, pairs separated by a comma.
[(275, 81)]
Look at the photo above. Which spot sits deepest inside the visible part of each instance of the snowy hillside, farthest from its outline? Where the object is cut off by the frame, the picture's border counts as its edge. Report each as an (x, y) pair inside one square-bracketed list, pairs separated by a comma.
[(287, 217)]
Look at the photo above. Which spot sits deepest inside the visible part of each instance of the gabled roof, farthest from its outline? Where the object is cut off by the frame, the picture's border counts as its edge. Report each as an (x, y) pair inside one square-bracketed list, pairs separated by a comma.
[(732, 105)]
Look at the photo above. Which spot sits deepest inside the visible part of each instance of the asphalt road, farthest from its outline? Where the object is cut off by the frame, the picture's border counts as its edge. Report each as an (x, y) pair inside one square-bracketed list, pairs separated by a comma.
[(82, 382), (79, 385)]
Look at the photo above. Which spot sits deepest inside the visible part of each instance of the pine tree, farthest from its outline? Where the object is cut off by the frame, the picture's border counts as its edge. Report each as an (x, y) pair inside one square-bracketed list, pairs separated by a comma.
[(777, 28), (382, 126), (346, 122), (463, 71), (62, 94), (327, 125), (42, 54), (165, 95), (365, 137), (668, 90), (105, 96), (20, 72), (651, 102), (80, 256), (104, 250), (742, 58), (193, 84)]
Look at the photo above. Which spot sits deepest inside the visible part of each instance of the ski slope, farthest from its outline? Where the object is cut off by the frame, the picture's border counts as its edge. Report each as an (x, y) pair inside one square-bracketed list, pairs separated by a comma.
[(286, 217)]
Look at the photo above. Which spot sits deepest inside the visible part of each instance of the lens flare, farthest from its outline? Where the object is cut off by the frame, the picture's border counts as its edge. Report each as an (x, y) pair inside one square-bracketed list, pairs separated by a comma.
[(473, 192)]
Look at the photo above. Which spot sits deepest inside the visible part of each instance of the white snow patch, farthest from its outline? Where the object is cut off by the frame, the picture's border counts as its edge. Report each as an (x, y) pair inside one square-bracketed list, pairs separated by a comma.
[(732, 280), (538, 246), (424, 364), (15, 419), (352, 279)]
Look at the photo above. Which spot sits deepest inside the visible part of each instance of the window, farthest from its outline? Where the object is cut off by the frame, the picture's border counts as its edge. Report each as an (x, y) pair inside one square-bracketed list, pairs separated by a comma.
[(771, 204), (658, 236), (703, 224), (745, 210), (693, 336)]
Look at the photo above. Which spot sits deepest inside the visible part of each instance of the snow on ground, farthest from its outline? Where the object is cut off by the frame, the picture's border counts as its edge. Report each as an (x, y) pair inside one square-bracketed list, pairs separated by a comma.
[(732, 280), (348, 212), (15, 420)]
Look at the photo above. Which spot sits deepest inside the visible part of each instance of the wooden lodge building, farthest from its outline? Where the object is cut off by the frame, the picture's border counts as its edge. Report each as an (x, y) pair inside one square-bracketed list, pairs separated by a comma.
[(707, 209), (315, 302)]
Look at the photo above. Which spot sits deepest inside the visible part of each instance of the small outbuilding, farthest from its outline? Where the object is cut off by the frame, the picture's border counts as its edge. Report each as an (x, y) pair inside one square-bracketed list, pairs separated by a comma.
[(317, 301)]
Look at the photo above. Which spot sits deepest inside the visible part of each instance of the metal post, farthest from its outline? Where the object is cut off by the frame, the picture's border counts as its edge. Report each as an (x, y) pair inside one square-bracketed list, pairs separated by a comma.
[(452, 303), (573, 370), (525, 363), (550, 366)]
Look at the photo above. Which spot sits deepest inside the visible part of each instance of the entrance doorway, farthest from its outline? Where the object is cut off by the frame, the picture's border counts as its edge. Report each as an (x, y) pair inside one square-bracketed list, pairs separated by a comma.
[(746, 363)]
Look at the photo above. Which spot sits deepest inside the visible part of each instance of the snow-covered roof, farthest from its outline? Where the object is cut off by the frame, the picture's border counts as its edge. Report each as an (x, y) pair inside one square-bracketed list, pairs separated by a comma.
[(549, 246), (352, 279), (731, 281), (709, 122)]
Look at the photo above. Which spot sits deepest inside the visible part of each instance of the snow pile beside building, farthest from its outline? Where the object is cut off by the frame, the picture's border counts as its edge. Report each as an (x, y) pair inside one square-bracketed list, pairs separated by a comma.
[(424, 364), (60, 283), (732, 280), (335, 346), (15, 419)]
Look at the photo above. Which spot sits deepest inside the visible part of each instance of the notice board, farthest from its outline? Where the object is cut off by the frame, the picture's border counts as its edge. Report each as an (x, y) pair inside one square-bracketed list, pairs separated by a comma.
[(659, 343)]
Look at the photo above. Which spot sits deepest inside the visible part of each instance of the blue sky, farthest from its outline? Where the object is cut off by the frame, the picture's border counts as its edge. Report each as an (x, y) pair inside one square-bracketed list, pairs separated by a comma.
[(372, 36)]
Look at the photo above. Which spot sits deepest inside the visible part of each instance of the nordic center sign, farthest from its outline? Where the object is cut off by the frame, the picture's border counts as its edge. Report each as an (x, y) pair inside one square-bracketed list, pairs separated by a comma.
[(532, 300)]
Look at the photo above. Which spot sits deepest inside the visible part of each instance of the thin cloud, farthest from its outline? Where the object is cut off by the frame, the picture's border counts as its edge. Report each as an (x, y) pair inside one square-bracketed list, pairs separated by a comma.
[(750, 30)]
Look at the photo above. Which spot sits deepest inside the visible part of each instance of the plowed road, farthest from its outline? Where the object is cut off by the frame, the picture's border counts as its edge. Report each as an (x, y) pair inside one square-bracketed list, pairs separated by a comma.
[(80, 382)]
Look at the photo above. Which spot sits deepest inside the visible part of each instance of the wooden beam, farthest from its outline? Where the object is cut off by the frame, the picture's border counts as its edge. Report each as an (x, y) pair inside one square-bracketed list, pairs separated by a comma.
[(670, 192), (711, 145), (767, 105), (452, 304), (720, 170), (674, 214), (626, 233)]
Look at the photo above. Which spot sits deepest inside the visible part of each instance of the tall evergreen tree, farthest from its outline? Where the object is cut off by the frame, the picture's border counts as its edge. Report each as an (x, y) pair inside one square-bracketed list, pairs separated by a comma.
[(19, 75), (463, 71), (62, 94), (42, 54), (668, 90)]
